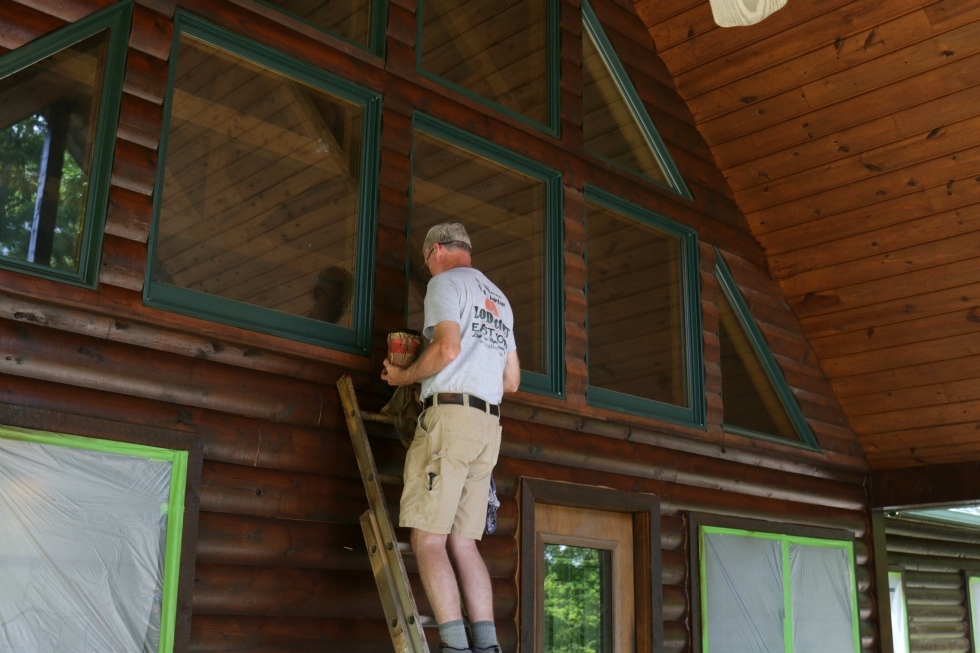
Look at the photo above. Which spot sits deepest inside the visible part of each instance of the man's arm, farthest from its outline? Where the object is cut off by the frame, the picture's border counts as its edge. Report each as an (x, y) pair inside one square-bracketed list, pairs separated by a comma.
[(443, 350), (512, 372)]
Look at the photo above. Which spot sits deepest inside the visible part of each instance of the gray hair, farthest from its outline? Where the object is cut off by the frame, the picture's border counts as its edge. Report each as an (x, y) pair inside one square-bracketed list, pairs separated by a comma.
[(450, 234)]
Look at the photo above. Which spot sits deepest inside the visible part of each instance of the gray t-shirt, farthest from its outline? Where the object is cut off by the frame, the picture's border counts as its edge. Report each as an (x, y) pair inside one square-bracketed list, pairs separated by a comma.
[(486, 324)]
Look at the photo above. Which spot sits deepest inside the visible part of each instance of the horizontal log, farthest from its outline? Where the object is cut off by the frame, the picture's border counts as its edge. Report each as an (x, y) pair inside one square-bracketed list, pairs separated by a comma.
[(309, 635), (22, 24), (152, 33), (681, 498), (123, 263), (248, 540), (275, 591), (134, 167), (146, 76), (530, 441), (282, 495), (675, 603), (917, 546), (917, 596), (45, 354), (676, 638), (673, 568)]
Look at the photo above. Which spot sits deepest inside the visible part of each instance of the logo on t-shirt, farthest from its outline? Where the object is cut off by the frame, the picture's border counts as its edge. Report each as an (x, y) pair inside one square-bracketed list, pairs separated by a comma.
[(492, 307), (488, 326)]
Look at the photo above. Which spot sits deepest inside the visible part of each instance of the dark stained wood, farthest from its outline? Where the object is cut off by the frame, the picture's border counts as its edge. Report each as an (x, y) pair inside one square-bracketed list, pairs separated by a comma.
[(280, 565), (22, 24), (849, 137)]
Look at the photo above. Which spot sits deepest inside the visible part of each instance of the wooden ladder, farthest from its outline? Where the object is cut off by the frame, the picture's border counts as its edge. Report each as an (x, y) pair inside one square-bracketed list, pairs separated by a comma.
[(385, 552)]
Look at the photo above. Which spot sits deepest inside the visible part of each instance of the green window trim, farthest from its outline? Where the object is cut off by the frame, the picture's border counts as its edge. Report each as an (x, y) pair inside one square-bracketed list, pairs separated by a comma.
[(769, 365), (552, 126), (694, 413), (355, 340), (376, 32), (550, 383), (591, 24), (117, 20), (785, 541), (174, 508)]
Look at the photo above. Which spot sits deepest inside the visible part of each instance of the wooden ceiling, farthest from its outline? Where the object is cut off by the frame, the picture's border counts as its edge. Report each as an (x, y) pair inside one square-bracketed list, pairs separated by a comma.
[(850, 134)]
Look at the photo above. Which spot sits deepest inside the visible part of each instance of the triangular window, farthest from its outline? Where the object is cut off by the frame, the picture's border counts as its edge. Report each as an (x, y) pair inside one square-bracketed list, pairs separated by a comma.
[(755, 396), (615, 123)]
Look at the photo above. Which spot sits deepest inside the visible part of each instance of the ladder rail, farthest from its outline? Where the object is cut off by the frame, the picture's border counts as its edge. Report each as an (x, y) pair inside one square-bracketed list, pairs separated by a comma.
[(390, 575)]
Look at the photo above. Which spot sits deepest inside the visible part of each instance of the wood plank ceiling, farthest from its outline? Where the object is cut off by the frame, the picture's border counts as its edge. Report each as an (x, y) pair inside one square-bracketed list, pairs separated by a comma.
[(850, 134)]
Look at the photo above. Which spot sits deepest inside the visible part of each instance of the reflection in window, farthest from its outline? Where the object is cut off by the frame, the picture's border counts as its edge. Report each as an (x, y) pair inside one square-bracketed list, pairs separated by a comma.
[(263, 201), (577, 599), (48, 121), (636, 312), (497, 51), (505, 210), (749, 398), (611, 128), (348, 19)]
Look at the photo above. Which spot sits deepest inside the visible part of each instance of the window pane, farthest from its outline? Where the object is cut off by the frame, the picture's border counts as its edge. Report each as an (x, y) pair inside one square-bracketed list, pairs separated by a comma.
[(48, 118), (743, 587), (505, 213), (349, 19), (260, 192), (899, 614), (750, 400), (822, 595), (496, 50), (577, 599), (636, 308), (611, 129)]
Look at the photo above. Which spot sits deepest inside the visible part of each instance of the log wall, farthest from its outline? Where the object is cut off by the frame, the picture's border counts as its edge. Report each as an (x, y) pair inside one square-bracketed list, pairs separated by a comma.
[(935, 560), (275, 559)]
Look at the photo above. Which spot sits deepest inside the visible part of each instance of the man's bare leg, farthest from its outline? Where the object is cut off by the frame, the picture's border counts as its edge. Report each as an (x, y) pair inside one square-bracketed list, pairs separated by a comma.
[(477, 590), (474, 580), (437, 575)]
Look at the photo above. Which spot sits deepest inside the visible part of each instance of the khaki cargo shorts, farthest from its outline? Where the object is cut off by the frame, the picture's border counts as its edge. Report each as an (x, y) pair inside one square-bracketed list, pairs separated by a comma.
[(447, 471)]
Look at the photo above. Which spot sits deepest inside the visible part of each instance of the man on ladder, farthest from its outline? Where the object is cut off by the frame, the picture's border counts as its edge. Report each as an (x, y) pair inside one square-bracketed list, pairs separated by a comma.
[(464, 371)]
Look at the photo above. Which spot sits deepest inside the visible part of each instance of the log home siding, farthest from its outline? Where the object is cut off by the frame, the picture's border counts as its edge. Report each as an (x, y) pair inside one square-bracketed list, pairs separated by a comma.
[(277, 558), (935, 560)]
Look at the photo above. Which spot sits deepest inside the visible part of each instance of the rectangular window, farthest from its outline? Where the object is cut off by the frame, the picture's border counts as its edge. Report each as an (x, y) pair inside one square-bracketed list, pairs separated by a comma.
[(506, 54), (268, 193), (644, 352), (774, 593), (511, 208), (360, 22), (59, 103), (90, 534)]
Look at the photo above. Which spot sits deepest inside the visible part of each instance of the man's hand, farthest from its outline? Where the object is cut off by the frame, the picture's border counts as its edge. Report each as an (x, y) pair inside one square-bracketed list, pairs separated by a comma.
[(395, 375)]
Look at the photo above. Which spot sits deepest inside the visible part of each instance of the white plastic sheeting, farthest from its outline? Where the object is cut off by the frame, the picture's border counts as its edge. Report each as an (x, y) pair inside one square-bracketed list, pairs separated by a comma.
[(82, 543), (822, 592), (744, 586), (748, 591)]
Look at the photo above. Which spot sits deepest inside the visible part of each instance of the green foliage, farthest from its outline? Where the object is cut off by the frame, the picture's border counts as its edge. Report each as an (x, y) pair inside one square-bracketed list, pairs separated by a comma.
[(576, 599), (21, 149)]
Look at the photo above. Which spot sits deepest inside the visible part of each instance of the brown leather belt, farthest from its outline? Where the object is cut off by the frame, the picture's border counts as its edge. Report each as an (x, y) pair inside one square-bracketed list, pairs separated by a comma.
[(461, 399)]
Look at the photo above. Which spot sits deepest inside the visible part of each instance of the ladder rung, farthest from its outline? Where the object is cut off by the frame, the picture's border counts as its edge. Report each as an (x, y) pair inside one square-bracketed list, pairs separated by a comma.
[(377, 417)]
